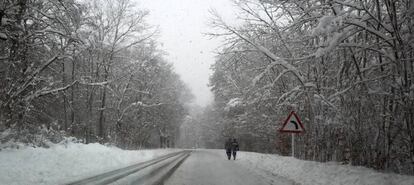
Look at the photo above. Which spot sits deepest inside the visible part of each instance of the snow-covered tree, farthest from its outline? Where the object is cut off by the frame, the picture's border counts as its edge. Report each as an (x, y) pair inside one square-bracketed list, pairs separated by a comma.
[(344, 66), (89, 69)]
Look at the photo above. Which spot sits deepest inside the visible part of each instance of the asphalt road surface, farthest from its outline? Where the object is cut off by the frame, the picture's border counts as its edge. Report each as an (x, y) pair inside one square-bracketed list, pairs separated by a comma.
[(197, 167), (211, 167)]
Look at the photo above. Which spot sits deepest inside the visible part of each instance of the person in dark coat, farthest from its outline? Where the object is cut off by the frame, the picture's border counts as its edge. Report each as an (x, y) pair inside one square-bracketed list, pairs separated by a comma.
[(234, 148), (228, 146)]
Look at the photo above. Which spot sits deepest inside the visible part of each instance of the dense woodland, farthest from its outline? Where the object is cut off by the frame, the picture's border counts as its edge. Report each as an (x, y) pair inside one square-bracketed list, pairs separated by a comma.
[(88, 69), (346, 68), (93, 70)]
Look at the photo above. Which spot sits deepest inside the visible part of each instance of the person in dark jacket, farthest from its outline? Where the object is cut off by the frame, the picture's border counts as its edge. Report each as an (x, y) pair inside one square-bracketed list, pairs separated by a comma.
[(234, 148), (228, 146)]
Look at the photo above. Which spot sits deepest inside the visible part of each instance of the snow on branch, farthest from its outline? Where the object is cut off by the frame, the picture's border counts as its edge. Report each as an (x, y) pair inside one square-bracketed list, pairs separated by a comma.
[(326, 24), (32, 76), (276, 60), (136, 42), (371, 30), (141, 92), (51, 91), (369, 47), (275, 80), (289, 94), (136, 104), (48, 91), (219, 22), (328, 102), (234, 102), (3, 36), (333, 42), (349, 4), (96, 83), (260, 76), (330, 98), (49, 30)]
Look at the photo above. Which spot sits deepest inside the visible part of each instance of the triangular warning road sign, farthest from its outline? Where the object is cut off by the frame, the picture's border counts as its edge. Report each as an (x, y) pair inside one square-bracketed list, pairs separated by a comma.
[(292, 124)]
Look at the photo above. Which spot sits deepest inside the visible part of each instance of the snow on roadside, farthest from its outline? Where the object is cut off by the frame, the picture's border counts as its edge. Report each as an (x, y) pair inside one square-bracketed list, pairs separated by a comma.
[(316, 173), (66, 162)]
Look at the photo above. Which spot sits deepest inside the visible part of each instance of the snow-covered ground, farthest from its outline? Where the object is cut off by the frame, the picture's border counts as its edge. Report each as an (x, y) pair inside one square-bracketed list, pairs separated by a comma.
[(63, 163), (66, 162), (316, 173)]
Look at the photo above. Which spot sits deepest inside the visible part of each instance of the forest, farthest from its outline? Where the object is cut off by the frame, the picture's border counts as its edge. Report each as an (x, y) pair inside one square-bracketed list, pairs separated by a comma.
[(94, 70), (346, 68), (87, 69)]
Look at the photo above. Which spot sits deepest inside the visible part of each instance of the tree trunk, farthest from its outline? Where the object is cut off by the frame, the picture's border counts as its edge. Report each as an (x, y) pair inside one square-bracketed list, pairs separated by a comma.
[(101, 123)]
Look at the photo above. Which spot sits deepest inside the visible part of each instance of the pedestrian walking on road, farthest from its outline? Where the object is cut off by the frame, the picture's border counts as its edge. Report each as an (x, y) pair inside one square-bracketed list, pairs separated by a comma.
[(228, 146), (234, 148)]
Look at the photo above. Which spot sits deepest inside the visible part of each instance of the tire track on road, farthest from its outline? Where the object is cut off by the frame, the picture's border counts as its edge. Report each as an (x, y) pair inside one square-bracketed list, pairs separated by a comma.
[(115, 175)]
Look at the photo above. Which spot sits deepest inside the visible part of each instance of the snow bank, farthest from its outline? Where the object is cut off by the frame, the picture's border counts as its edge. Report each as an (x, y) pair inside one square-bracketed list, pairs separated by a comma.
[(316, 173), (66, 162)]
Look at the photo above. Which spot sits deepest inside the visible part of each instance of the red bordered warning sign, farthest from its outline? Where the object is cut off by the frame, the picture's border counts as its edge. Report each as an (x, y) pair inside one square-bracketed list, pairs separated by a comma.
[(292, 124)]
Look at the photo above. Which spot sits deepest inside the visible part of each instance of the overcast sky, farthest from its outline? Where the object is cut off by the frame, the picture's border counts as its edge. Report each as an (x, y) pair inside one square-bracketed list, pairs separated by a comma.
[(182, 24)]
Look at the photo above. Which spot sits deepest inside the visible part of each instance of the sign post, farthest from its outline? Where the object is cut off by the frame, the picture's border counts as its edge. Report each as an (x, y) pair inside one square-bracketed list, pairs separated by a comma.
[(293, 144), (294, 126)]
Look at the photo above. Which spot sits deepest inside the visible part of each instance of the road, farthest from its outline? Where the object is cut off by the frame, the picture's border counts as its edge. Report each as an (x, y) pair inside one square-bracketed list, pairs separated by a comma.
[(211, 167), (197, 167)]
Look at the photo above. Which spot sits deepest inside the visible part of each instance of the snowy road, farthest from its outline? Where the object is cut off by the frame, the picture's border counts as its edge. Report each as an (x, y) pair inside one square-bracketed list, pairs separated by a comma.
[(154, 171), (210, 167), (198, 167)]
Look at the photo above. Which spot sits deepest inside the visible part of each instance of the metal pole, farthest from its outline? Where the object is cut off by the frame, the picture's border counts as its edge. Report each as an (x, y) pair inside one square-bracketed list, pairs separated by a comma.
[(293, 144)]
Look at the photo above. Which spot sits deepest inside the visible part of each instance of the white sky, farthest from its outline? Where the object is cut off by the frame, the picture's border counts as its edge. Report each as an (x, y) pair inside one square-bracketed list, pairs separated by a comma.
[(182, 24)]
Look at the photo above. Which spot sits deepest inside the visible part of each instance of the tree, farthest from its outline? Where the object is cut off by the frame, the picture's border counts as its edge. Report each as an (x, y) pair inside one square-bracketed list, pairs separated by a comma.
[(89, 69), (342, 65), (38, 35)]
